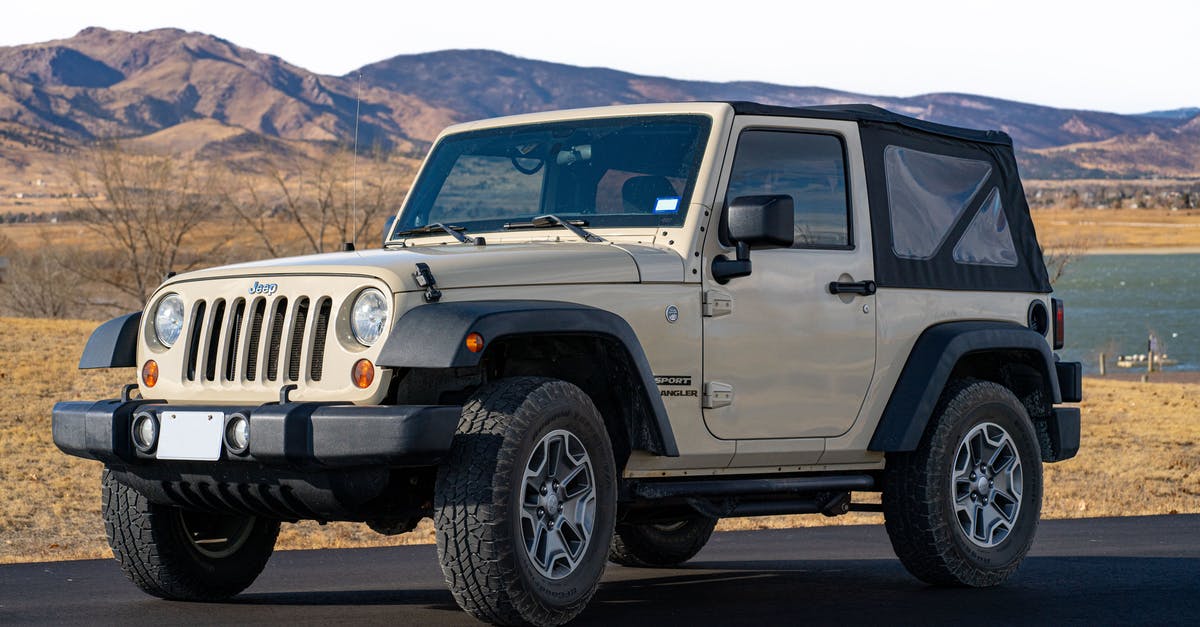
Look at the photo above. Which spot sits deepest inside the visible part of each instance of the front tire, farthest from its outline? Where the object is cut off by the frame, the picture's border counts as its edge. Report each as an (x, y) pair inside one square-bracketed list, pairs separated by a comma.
[(963, 508), (182, 555), (660, 545), (525, 503)]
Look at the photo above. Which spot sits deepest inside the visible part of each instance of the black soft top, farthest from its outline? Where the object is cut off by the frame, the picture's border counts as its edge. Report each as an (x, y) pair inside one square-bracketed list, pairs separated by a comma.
[(872, 113), (987, 243)]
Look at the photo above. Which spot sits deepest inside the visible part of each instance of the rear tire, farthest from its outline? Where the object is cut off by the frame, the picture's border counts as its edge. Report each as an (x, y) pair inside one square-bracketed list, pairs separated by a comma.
[(525, 503), (660, 545), (182, 555), (963, 508)]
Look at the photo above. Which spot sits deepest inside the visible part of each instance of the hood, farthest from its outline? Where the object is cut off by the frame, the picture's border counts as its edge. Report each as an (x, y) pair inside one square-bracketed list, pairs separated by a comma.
[(461, 266)]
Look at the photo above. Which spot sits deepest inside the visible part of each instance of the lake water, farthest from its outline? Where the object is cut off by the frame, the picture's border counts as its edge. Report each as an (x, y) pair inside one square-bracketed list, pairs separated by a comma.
[(1114, 303)]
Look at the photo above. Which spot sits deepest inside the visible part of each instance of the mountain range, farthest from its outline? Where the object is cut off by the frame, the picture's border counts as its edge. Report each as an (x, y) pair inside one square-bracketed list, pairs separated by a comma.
[(197, 94)]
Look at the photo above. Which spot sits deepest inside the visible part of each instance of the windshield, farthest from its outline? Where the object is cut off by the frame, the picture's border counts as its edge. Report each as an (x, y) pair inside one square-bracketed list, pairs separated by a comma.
[(631, 171)]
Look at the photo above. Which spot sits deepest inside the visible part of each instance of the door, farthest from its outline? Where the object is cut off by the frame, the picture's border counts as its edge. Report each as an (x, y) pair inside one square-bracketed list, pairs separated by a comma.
[(799, 358)]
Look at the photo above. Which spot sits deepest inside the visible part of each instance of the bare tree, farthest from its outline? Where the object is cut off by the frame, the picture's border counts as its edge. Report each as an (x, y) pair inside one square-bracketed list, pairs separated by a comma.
[(36, 285), (300, 204), (7, 247), (145, 210), (1062, 255)]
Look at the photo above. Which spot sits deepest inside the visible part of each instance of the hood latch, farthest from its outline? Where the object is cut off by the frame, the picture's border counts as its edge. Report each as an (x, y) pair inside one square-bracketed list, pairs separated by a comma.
[(424, 278)]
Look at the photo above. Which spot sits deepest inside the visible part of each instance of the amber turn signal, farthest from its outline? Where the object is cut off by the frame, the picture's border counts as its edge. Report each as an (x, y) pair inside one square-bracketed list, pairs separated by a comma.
[(150, 373), (474, 342), (363, 373)]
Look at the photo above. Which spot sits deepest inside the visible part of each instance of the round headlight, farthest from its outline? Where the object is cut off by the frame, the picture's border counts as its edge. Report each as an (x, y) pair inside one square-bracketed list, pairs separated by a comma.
[(369, 316), (168, 319)]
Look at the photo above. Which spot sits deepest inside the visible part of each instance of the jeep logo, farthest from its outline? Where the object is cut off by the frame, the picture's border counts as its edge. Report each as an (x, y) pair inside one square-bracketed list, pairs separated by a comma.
[(264, 288)]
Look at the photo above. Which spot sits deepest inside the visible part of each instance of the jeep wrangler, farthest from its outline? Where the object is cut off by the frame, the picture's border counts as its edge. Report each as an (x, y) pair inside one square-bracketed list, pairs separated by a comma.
[(591, 334)]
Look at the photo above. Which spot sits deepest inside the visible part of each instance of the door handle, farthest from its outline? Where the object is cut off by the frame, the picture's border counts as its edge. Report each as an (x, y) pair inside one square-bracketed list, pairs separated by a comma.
[(862, 288)]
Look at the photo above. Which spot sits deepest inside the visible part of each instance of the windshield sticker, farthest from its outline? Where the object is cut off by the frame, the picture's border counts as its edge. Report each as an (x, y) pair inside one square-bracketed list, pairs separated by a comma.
[(670, 204)]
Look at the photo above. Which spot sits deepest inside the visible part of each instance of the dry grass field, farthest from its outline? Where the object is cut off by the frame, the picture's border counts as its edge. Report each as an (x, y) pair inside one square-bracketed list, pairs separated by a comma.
[(1119, 230), (1138, 456)]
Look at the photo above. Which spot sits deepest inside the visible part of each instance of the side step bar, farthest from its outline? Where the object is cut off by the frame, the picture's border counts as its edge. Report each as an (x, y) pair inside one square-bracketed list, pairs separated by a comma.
[(711, 488)]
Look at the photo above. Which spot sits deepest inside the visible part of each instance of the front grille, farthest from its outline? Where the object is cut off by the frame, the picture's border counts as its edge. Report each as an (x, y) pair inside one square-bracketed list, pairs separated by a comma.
[(275, 338), (194, 340), (214, 340), (276, 335), (320, 332), (255, 337), (235, 335), (296, 351)]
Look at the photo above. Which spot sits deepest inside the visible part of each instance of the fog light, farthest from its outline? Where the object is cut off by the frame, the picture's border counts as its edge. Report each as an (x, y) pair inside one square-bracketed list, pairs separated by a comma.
[(145, 432), (363, 373), (237, 434), (150, 373), (474, 342)]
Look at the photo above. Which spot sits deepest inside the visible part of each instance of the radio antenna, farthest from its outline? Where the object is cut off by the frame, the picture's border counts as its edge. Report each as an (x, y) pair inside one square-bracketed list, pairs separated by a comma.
[(354, 166)]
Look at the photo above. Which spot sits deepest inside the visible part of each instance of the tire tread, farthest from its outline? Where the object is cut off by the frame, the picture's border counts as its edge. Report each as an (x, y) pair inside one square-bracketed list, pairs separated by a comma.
[(478, 563), (140, 535), (921, 536)]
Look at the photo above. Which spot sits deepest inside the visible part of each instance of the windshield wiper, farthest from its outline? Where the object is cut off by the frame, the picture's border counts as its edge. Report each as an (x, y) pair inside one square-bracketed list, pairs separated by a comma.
[(548, 220), (453, 229)]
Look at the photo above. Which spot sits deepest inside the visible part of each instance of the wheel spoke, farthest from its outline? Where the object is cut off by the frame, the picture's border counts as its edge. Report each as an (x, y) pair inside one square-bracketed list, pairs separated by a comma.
[(538, 537), (565, 549), (572, 475), (994, 524), (554, 456), (571, 534), (581, 512), (1001, 453)]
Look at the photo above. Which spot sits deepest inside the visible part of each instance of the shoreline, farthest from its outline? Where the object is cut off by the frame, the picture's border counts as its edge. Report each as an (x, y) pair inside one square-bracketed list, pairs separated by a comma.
[(1141, 250), (1183, 376)]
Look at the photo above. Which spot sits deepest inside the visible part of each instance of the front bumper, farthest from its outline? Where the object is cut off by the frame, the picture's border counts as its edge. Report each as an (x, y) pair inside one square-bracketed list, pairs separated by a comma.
[(305, 460), (287, 435)]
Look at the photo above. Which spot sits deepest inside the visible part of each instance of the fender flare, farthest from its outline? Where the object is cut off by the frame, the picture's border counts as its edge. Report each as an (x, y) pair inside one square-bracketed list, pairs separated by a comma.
[(434, 336), (113, 344), (930, 363)]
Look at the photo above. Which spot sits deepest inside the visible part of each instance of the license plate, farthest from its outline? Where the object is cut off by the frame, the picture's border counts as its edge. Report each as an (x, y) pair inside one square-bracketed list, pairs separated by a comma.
[(190, 435)]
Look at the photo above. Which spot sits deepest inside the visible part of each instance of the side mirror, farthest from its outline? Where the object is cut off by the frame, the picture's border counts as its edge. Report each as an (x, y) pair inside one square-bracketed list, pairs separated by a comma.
[(754, 221), (387, 229)]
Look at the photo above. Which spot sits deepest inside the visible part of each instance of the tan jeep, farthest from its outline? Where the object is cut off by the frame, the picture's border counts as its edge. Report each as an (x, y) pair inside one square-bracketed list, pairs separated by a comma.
[(590, 334)]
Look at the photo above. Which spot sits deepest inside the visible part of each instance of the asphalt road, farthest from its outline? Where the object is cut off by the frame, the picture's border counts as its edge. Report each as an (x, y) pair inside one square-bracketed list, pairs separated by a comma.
[(1097, 571)]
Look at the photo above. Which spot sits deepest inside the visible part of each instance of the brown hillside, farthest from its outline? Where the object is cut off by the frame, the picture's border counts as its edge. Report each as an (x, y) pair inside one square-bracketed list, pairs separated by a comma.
[(1173, 153), (103, 84)]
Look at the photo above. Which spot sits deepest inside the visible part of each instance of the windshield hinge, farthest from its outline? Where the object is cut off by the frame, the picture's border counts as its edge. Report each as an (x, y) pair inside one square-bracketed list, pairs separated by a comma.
[(716, 303), (717, 394), (424, 278)]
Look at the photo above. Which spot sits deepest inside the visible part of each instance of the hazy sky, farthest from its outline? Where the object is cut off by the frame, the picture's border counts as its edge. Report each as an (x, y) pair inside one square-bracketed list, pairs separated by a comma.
[(1126, 57)]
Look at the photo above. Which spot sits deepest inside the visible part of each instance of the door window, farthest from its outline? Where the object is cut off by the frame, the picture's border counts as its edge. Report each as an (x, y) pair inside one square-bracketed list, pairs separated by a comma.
[(809, 167)]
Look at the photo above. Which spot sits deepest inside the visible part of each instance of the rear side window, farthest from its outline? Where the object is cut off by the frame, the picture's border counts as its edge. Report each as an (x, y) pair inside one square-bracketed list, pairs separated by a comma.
[(927, 194), (988, 241), (809, 167)]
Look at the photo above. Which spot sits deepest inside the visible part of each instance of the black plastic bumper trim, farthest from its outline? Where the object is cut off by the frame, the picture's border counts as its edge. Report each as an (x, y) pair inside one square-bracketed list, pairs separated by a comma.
[(1070, 380), (1063, 428), (292, 435)]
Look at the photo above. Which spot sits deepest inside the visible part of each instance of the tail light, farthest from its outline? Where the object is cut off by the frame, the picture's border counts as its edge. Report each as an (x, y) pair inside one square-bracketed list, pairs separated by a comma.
[(1060, 331)]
